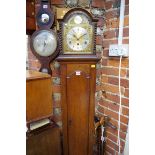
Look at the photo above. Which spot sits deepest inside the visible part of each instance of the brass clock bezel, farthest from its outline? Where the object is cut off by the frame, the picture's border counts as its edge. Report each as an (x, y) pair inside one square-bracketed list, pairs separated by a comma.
[(92, 22)]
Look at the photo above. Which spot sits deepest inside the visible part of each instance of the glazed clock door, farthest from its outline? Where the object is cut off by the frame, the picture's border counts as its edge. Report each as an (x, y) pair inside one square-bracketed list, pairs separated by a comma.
[(78, 84)]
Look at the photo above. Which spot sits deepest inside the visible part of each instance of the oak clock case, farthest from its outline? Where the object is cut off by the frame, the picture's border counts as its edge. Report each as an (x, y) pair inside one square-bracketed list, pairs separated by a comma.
[(44, 45), (78, 33), (45, 16)]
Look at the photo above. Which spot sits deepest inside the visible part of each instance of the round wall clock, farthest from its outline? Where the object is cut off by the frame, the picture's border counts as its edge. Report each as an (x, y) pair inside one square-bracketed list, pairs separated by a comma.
[(44, 45), (78, 32), (45, 16)]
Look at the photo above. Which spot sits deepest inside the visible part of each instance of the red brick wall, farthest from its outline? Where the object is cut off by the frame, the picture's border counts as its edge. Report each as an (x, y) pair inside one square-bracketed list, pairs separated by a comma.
[(107, 93)]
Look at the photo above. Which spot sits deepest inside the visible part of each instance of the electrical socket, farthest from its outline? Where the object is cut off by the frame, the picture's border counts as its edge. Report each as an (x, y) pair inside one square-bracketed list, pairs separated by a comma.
[(119, 50)]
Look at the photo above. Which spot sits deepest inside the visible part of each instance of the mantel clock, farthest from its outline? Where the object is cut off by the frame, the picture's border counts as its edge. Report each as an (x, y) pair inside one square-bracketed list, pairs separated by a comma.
[(78, 76)]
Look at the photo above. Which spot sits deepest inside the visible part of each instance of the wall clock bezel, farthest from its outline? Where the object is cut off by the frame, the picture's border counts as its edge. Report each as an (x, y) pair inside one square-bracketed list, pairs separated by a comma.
[(92, 22), (45, 60)]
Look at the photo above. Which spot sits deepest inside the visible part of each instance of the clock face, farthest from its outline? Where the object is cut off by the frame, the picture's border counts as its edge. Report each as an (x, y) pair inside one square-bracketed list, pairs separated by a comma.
[(78, 35), (45, 43), (78, 39)]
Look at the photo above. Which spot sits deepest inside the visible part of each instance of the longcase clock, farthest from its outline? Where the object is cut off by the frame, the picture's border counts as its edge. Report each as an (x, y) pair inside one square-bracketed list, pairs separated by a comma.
[(78, 75)]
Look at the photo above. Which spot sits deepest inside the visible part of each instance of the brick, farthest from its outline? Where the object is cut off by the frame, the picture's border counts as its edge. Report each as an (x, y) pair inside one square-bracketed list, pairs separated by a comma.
[(126, 21), (106, 53), (113, 71), (100, 22), (114, 23), (104, 62), (127, 10), (123, 127), (99, 40), (125, 102), (125, 41), (57, 2), (56, 88), (111, 137), (114, 62), (126, 94), (98, 3), (111, 88), (124, 119), (111, 97), (31, 56), (111, 34), (104, 79), (110, 150), (108, 5), (109, 105), (106, 43), (100, 109), (111, 144), (34, 63), (110, 113), (99, 71), (55, 73), (125, 32), (112, 14), (98, 87), (125, 111), (127, 2), (122, 135), (115, 81)]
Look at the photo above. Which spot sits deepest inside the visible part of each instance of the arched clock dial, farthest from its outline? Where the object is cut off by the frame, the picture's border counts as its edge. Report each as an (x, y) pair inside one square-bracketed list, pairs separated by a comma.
[(78, 34), (78, 38)]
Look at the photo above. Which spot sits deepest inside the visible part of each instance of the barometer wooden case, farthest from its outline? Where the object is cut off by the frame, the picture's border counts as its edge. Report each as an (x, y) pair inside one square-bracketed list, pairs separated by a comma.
[(44, 45), (78, 78)]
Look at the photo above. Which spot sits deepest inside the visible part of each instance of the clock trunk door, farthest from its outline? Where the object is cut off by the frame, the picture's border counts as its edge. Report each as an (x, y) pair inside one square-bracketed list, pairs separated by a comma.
[(78, 111)]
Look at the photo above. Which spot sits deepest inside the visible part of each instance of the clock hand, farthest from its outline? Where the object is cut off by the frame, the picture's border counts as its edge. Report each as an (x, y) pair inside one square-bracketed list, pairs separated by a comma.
[(82, 36), (75, 35)]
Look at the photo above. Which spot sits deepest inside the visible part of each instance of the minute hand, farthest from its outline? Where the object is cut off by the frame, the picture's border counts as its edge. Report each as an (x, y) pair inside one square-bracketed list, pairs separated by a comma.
[(82, 35)]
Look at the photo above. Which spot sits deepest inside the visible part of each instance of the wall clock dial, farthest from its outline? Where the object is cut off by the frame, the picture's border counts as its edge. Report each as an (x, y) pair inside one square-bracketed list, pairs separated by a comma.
[(78, 39), (44, 45), (78, 33)]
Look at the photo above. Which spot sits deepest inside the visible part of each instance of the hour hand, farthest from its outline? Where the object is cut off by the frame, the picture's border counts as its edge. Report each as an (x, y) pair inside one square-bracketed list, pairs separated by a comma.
[(75, 36)]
